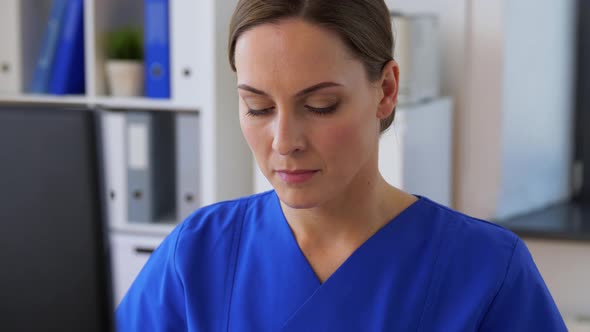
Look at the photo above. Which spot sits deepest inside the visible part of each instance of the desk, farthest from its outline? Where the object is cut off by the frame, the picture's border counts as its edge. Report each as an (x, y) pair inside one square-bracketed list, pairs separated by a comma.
[(565, 221)]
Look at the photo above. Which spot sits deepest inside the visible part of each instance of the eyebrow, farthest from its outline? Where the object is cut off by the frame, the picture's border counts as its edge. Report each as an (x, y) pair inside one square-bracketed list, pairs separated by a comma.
[(303, 92)]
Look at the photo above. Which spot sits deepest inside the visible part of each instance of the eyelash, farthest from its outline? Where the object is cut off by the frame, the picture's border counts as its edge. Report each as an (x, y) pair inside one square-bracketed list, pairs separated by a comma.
[(317, 111)]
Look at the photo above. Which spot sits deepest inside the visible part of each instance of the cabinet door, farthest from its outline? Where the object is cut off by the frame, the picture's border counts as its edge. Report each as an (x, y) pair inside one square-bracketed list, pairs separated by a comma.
[(129, 254)]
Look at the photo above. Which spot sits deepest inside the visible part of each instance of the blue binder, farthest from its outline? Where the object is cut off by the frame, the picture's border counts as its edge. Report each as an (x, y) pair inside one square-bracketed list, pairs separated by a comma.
[(157, 49), (67, 76), (40, 83)]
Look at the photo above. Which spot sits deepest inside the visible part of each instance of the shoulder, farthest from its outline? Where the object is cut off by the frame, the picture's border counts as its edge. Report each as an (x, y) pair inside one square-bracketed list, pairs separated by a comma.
[(222, 214), (466, 235), (473, 254), (189, 266), (217, 224), (485, 268)]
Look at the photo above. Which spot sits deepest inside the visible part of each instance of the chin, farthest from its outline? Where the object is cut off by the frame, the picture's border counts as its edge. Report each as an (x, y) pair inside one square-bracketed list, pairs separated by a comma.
[(298, 198)]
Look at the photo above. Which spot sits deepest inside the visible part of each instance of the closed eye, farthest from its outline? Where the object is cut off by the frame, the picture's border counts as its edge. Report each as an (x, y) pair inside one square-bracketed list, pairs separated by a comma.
[(322, 110), (260, 112), (315, 110)]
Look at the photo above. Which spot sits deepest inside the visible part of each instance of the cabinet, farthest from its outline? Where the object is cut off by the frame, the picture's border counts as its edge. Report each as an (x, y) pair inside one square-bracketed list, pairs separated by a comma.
[(130, 252)]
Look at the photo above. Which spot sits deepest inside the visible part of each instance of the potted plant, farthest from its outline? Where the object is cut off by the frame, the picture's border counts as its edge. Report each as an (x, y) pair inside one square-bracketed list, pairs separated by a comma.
[(125, 74)]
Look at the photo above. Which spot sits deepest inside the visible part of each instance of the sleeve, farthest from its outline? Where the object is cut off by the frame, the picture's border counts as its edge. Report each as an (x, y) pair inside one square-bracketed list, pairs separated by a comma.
[(523, 302), (155, 300)]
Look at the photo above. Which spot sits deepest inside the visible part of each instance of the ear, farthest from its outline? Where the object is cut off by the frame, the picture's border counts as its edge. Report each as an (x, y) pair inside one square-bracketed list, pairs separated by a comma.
[(389, 89)]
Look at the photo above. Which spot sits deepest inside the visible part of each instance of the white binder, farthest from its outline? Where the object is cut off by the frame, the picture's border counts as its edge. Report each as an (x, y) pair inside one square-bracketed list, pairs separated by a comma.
[(191, 44), (139, 166), (10, 47), (22, 27), (188, 159), (115, 167)]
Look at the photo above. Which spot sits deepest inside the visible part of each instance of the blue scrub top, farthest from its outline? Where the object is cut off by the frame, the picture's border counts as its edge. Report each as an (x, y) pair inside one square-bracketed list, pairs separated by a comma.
[(236, 266)]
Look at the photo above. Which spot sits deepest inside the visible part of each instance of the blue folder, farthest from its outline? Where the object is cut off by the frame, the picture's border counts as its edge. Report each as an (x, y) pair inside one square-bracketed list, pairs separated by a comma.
[(67, 75), (157, 49), (40, 83)]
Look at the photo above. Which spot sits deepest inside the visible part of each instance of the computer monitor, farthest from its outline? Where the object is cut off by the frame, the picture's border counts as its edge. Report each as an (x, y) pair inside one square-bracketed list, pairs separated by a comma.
[(53, 250)]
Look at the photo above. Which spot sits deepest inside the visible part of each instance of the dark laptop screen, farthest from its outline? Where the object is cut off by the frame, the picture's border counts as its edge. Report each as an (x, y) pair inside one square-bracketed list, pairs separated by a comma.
[(54, 266)]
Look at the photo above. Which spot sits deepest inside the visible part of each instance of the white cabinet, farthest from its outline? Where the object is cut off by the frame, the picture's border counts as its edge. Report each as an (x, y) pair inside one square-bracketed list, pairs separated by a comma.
[(416, 154), (130, 252)]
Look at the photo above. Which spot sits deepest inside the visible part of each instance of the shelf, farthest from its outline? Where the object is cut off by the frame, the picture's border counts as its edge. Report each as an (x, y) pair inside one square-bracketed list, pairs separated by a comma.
[(139, 103), (146, 229), (119, 103), (44, 100)]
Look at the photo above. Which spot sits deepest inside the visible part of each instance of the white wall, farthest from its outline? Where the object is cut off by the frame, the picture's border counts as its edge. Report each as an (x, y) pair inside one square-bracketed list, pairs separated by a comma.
[(515, 148), (506, 63), (537, 124), (478, 140), (454, 29), (472, 57)]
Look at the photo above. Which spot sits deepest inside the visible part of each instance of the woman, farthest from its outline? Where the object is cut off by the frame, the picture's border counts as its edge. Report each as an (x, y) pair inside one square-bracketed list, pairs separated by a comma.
[(334, 247)]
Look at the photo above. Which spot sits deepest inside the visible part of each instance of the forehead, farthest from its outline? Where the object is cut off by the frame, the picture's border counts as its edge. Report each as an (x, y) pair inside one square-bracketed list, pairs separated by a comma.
[(302, 52)]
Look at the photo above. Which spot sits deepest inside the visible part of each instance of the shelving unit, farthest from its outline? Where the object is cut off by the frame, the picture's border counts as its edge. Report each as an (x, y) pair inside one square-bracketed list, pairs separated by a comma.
[(214, 96), (201, 83), (202, 32)]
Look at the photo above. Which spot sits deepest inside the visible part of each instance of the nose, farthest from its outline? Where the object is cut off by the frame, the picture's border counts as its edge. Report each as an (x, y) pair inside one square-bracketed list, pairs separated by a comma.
[(288, 134)]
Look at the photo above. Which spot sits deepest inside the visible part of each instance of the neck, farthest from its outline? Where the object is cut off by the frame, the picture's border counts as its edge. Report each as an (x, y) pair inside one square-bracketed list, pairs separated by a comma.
[(366, 206)]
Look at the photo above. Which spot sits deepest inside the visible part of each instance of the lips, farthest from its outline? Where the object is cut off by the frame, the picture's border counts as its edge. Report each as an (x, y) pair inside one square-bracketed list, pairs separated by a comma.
[(296, 176)]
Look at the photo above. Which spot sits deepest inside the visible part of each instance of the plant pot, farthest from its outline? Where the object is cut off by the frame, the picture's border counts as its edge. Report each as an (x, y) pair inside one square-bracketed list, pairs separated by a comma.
[(125, 78)]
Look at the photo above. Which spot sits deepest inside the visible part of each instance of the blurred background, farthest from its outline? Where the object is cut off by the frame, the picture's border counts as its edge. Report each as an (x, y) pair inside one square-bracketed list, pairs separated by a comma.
[(518, 75), (494, 97)]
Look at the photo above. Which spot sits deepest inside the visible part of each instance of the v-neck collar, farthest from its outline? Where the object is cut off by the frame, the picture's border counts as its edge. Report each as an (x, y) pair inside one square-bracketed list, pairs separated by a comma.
[(399, 218), (354, 292), (274, 286)]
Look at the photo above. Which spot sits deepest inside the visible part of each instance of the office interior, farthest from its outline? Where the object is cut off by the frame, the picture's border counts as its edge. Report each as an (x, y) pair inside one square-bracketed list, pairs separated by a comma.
[(501, 103)]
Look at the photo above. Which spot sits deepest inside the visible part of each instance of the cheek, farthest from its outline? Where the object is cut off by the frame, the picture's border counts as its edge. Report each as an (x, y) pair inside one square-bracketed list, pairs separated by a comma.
[(341, 142), (249, 130), (251, 135), (349, 141), (256, 137)]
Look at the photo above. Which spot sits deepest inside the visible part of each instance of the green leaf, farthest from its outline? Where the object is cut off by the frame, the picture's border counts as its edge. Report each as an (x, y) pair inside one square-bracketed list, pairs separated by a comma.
[(125, 44)]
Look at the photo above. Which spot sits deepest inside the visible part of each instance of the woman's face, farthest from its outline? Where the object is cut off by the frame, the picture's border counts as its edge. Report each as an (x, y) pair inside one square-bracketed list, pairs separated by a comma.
[(308, 112)]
